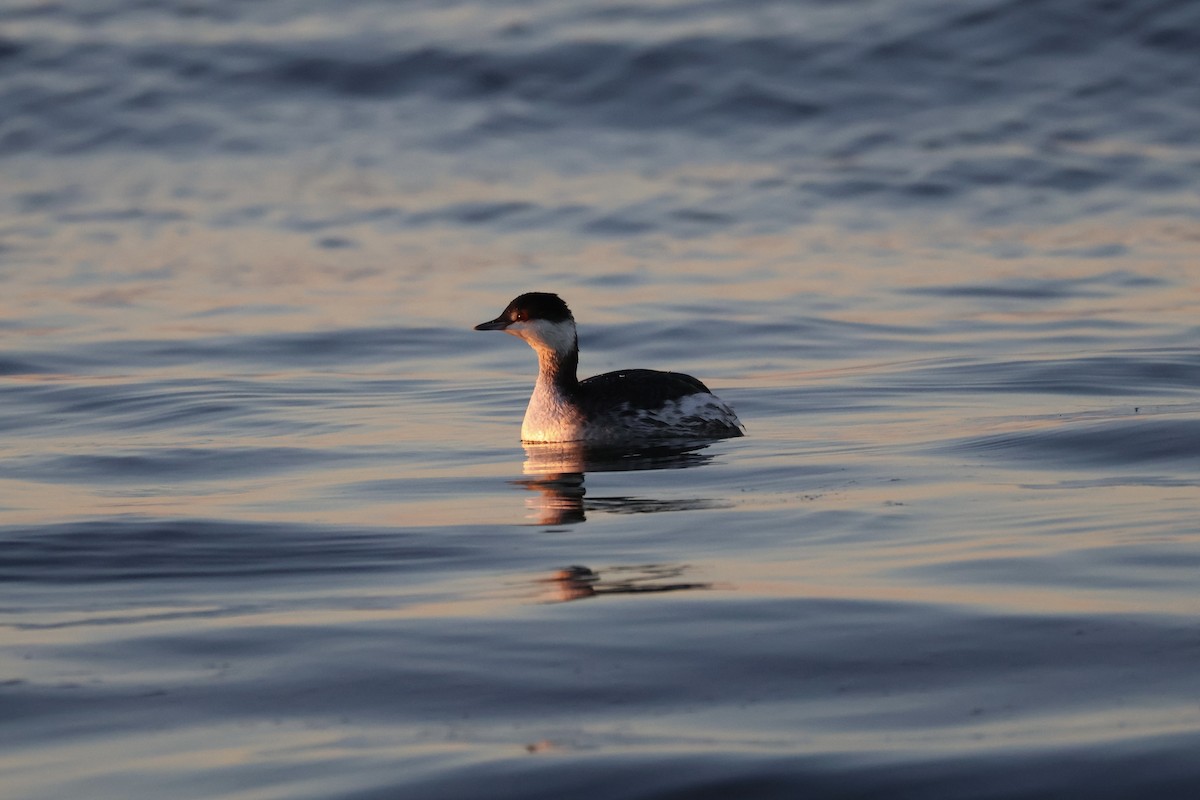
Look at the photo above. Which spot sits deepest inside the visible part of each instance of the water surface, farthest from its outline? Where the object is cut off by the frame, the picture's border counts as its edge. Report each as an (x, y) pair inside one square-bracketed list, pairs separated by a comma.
[(268, 530)]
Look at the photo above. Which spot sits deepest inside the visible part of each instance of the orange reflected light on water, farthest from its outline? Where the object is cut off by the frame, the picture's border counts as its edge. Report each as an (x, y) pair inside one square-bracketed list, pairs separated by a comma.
[(164, 277)]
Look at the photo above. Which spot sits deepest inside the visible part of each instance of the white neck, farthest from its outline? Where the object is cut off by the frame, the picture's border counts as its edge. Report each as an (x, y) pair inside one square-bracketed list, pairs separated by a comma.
[(551, 415)]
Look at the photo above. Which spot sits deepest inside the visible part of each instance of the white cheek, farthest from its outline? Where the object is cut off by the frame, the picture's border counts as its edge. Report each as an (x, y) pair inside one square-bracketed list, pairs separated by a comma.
[(526, 331), (558, 337)]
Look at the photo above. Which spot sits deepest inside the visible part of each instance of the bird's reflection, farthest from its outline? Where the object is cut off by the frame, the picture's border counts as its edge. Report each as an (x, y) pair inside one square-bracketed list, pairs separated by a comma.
[(581, 583), (555, 473)]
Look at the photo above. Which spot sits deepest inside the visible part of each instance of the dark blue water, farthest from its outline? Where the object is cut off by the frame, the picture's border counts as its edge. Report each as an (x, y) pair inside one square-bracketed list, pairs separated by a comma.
[(266, 530)]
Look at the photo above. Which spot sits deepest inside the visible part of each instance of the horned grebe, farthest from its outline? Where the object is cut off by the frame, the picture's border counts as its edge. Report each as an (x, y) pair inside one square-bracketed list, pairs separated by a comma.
[(622, 406)]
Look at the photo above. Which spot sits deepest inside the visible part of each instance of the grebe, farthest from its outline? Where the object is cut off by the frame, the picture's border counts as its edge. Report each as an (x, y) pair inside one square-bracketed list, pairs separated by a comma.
[(625, 406)]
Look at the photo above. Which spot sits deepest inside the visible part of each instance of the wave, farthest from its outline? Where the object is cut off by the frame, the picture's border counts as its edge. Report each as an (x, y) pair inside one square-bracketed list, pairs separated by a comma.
[(1134, 374), (139, 549), (999, 71), (1112, 444)]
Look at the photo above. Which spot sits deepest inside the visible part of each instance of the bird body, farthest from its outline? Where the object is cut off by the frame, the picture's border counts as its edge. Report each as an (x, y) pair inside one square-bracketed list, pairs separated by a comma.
[(621, 406)]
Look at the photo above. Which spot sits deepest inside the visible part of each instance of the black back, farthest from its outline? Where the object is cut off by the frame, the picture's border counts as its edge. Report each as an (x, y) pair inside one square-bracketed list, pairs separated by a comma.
[(641, 388)]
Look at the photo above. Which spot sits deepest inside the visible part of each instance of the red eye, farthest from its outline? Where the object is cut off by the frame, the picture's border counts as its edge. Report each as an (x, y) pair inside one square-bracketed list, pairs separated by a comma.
[(521, 316)]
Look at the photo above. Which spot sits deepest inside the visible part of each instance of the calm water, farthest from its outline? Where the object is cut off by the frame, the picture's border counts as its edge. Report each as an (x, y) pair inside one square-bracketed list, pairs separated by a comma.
[(266, 530)]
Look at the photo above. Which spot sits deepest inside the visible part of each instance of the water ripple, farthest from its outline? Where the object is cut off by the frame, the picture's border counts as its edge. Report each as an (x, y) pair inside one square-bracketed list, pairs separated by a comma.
[(1112, 444), (166, 465), (135, 549)]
